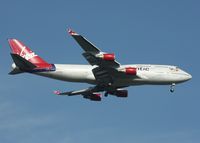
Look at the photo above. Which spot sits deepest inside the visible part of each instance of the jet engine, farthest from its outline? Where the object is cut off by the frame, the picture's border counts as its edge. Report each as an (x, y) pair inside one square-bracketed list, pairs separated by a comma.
[(93, 96), (106, 57), (129, 70), (119, 93)]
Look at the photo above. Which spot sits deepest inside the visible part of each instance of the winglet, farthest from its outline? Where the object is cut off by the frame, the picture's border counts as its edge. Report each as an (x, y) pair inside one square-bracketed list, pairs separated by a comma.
[(71, 32), (57, 92)]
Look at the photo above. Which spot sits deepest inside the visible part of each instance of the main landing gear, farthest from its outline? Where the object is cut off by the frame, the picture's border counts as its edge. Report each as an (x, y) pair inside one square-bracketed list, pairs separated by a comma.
[(172, 87), (106, 94)]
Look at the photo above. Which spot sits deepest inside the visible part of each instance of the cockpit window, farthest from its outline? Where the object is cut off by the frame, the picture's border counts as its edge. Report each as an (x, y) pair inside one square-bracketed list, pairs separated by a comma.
[(174, 68)]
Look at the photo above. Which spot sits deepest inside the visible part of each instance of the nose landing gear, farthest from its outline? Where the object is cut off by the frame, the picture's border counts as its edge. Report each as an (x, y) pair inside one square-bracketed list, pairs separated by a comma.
[(172, 87)]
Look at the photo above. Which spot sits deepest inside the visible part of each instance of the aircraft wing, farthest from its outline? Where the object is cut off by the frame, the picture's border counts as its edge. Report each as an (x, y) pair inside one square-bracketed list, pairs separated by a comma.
[(94, 55), (72, 93), (88, 93), (92, 93), (106, 64), (84, 43)]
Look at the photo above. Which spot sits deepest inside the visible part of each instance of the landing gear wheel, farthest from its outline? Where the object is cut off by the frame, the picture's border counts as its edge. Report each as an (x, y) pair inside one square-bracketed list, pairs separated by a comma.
[(172, 87), (171, 90), (106, 94)]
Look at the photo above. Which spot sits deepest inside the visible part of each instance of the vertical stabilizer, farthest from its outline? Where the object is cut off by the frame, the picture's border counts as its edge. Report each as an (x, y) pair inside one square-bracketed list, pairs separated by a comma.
[(18, 48)]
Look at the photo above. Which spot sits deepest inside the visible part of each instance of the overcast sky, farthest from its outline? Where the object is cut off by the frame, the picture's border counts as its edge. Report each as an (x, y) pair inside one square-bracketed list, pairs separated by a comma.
[(152, 32)]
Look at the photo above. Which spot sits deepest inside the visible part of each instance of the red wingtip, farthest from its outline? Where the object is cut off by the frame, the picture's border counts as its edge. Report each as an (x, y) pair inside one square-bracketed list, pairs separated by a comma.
[(71, 32), (57, 92)]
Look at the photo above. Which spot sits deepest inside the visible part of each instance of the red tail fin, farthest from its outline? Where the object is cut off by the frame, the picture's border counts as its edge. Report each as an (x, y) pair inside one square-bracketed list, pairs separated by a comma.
[(20, 49)]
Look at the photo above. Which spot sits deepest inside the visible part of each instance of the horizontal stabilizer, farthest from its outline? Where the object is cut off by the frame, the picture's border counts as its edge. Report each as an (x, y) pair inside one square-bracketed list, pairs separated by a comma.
[(21, 62), (15, 71)]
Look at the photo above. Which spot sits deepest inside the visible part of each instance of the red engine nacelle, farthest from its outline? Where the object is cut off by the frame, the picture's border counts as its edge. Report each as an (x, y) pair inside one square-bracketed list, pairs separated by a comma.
[(107, 57), (131, 70), (93, 97), (119, 93)]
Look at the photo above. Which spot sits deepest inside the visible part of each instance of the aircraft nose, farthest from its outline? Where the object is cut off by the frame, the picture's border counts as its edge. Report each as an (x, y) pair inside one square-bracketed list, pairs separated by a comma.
[(187, 76)]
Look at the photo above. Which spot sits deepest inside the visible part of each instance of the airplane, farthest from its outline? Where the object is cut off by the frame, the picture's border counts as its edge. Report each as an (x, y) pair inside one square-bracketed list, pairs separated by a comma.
[(105, 74)]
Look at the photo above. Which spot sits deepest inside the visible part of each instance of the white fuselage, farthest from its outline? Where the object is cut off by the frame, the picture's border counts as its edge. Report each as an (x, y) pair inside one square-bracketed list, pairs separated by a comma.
[(146, 74)]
